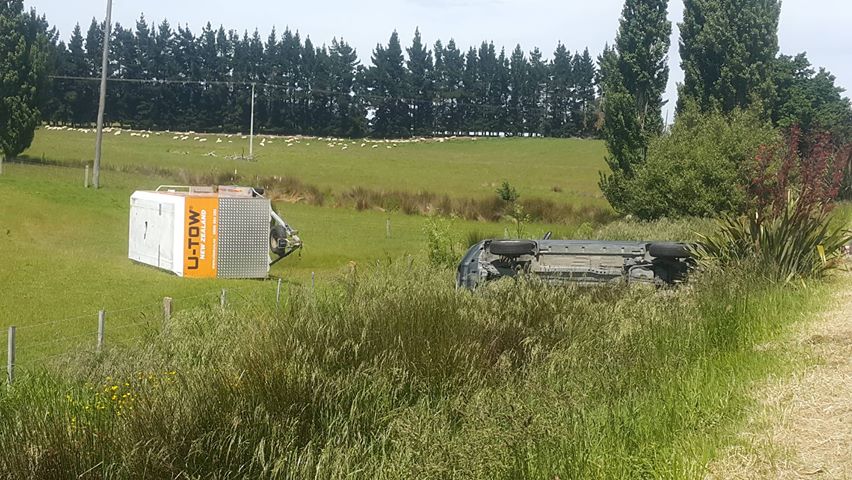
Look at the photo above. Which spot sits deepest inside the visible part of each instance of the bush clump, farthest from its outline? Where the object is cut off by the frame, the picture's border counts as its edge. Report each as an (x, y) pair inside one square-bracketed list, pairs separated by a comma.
[(698, 169)]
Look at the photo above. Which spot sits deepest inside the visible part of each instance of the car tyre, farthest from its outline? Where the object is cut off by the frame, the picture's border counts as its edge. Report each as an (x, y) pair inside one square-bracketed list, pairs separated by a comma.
[(669, 250), (512, 248)]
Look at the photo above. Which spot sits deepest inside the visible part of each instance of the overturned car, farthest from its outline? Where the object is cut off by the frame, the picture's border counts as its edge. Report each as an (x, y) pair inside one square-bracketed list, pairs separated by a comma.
[(575, 261)]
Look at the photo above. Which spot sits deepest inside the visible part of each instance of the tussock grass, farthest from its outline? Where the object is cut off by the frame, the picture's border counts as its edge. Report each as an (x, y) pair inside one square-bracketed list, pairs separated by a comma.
[(391, 373), (479, 209)]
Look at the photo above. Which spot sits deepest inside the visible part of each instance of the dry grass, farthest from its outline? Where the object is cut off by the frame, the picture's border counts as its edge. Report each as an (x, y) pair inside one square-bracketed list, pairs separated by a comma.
[(801, 426), (490, 209)]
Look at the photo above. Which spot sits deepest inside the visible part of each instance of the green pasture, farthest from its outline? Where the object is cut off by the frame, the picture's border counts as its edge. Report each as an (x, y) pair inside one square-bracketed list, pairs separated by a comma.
[(64, 253), (557, 169)]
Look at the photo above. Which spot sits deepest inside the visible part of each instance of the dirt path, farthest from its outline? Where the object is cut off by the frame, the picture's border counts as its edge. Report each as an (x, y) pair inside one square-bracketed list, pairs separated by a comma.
[(802, 426)]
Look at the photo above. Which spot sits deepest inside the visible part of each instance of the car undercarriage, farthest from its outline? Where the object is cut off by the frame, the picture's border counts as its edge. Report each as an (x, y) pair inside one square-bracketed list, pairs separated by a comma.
[(575, 261)]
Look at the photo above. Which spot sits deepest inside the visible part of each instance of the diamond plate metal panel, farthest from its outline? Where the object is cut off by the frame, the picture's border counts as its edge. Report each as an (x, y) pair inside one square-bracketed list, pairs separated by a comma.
[(243, 237)]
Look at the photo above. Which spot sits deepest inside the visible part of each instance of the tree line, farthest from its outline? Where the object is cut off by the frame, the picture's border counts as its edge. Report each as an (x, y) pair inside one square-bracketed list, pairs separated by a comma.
[(320, 90), (202, 82)]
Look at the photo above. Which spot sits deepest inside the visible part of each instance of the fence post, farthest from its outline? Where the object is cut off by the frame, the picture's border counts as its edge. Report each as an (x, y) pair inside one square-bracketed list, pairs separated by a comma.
[(10, 357), (101, 327), (167, 308), (86, 177), (387, 229), (278, 295), (313, 282), (223, 299)]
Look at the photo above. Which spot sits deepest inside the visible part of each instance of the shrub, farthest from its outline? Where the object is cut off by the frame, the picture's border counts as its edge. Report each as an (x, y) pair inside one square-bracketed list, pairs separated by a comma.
[(846, 186), (441, 242), (788, 230), (696, 170), (507, 193)]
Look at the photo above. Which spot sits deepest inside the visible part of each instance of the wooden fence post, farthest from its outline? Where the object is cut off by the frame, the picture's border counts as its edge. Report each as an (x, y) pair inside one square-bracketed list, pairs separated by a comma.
[(387, 229), (101, 328), (10, 357), (86, 177), (223, 299), (278, 295), (313, 282), (167, 308)]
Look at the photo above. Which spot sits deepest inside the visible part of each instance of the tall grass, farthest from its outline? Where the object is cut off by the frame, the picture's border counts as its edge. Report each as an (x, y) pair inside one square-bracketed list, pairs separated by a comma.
[(392, 373)]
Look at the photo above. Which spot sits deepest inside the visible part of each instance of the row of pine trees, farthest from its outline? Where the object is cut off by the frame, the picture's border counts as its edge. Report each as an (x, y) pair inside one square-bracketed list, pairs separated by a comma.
[(327, 90)]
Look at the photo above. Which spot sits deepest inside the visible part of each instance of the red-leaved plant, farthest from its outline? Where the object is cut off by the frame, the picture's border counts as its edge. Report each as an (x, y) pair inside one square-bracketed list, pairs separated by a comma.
[(812, 170)]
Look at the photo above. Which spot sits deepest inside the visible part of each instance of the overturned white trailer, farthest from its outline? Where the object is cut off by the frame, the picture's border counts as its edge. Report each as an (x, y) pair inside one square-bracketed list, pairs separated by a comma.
[(208, 232)]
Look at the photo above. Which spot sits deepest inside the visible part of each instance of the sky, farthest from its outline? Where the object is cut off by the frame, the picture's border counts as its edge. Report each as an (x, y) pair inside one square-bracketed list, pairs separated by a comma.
[(822, 28)]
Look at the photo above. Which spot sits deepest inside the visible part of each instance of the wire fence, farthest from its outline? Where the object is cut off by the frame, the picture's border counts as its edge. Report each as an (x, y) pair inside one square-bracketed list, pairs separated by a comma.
[(37, 346)]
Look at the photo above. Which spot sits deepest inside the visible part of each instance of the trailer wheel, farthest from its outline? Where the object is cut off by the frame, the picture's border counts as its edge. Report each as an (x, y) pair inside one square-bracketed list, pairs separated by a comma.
[(512, 248), (277, 238), (669, 250)]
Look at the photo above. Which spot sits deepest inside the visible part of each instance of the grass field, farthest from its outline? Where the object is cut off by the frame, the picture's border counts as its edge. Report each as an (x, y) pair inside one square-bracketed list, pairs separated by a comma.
[(398, 375), (565, 170), (384, 370), (64, 248)]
